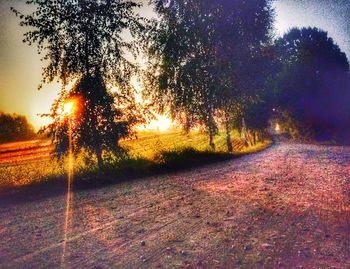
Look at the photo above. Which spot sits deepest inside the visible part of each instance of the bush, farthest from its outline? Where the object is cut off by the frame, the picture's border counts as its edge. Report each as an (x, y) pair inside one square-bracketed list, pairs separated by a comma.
[(187, 157)]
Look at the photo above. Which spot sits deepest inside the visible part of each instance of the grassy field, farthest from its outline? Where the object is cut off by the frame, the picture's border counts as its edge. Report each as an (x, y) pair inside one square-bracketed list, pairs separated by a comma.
[(24, 163)]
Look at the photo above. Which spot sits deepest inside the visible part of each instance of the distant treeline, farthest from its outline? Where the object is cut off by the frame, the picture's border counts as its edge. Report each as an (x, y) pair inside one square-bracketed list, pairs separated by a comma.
[(15, 127)]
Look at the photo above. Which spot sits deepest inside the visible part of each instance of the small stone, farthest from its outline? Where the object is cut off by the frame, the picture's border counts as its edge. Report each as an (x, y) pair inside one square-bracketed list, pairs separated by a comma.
[(143, 243), (200, 263), (266, 245), (248, 248)]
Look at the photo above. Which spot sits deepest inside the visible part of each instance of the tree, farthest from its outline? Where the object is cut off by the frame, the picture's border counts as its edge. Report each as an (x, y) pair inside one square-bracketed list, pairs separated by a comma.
[(83, 41), (243, 32), (182, 62), (206, 57), (312, 81), (15, 127)]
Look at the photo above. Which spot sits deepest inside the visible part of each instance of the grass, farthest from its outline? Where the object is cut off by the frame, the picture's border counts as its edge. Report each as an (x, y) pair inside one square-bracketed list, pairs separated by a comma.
[(148, 154), (148, 145)]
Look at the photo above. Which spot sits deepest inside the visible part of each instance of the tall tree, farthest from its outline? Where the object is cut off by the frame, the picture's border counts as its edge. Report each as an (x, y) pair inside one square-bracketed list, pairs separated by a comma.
[(243, 34), (312, 81), (207, 56), (182, 61), (83, 41)]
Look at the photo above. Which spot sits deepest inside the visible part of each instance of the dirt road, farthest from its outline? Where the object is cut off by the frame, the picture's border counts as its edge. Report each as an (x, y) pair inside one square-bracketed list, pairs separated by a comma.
[(286, 207)]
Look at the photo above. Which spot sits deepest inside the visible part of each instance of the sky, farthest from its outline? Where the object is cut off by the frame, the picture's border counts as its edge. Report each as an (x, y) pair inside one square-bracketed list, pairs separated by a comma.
[(20, 65)]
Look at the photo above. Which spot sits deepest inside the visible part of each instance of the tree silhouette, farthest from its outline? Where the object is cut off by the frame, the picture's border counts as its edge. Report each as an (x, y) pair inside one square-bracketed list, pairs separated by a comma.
[(83, 41), (14, 128), (312, 80)]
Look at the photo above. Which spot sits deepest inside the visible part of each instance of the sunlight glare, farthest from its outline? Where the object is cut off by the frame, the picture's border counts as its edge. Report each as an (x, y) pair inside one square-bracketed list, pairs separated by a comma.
[(162, 123), (277, 128), (68, 107)]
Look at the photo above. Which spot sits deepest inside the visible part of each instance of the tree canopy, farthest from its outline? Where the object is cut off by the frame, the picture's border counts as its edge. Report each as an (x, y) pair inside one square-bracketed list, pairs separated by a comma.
[(204, 55), (84, 41), (313, 80)]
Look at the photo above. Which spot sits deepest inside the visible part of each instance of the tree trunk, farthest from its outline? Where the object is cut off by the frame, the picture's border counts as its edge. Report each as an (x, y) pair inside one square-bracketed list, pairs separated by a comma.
[(228, 134), (99, 158), (211, 131), (187, 123), (211, 139), (254, 138), (258, 136)]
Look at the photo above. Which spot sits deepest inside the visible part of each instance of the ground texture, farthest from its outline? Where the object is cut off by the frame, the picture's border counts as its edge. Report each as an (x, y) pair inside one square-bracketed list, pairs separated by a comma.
[(286, 207)]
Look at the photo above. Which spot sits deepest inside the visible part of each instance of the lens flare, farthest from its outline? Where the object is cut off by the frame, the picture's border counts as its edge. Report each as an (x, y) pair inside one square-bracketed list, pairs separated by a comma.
[(68, 109)]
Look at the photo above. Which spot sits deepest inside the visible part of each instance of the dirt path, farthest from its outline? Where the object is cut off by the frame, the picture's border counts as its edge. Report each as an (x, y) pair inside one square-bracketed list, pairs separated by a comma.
[(286, 207)]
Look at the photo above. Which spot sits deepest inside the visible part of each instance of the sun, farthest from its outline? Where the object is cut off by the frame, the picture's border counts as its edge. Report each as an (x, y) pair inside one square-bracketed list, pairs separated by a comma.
[(68, 107)]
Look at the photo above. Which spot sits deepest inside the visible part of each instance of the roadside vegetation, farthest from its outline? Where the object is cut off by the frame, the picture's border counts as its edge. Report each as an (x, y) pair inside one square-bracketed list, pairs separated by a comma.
[(26, 163)]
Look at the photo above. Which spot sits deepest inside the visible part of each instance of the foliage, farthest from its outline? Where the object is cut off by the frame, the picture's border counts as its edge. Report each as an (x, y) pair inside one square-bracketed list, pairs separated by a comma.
[(244, 66), (83, 37), (82, 41), (181, 57), (203, 55), (15, 127), (313, 81), (145, 155), (95, 123)]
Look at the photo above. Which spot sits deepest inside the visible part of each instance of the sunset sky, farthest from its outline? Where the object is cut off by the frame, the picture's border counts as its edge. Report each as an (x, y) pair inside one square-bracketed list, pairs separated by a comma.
[(20, 69)]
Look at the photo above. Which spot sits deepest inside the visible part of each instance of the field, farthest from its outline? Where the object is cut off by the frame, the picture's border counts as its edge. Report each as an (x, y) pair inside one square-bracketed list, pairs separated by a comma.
[(24, 163)]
